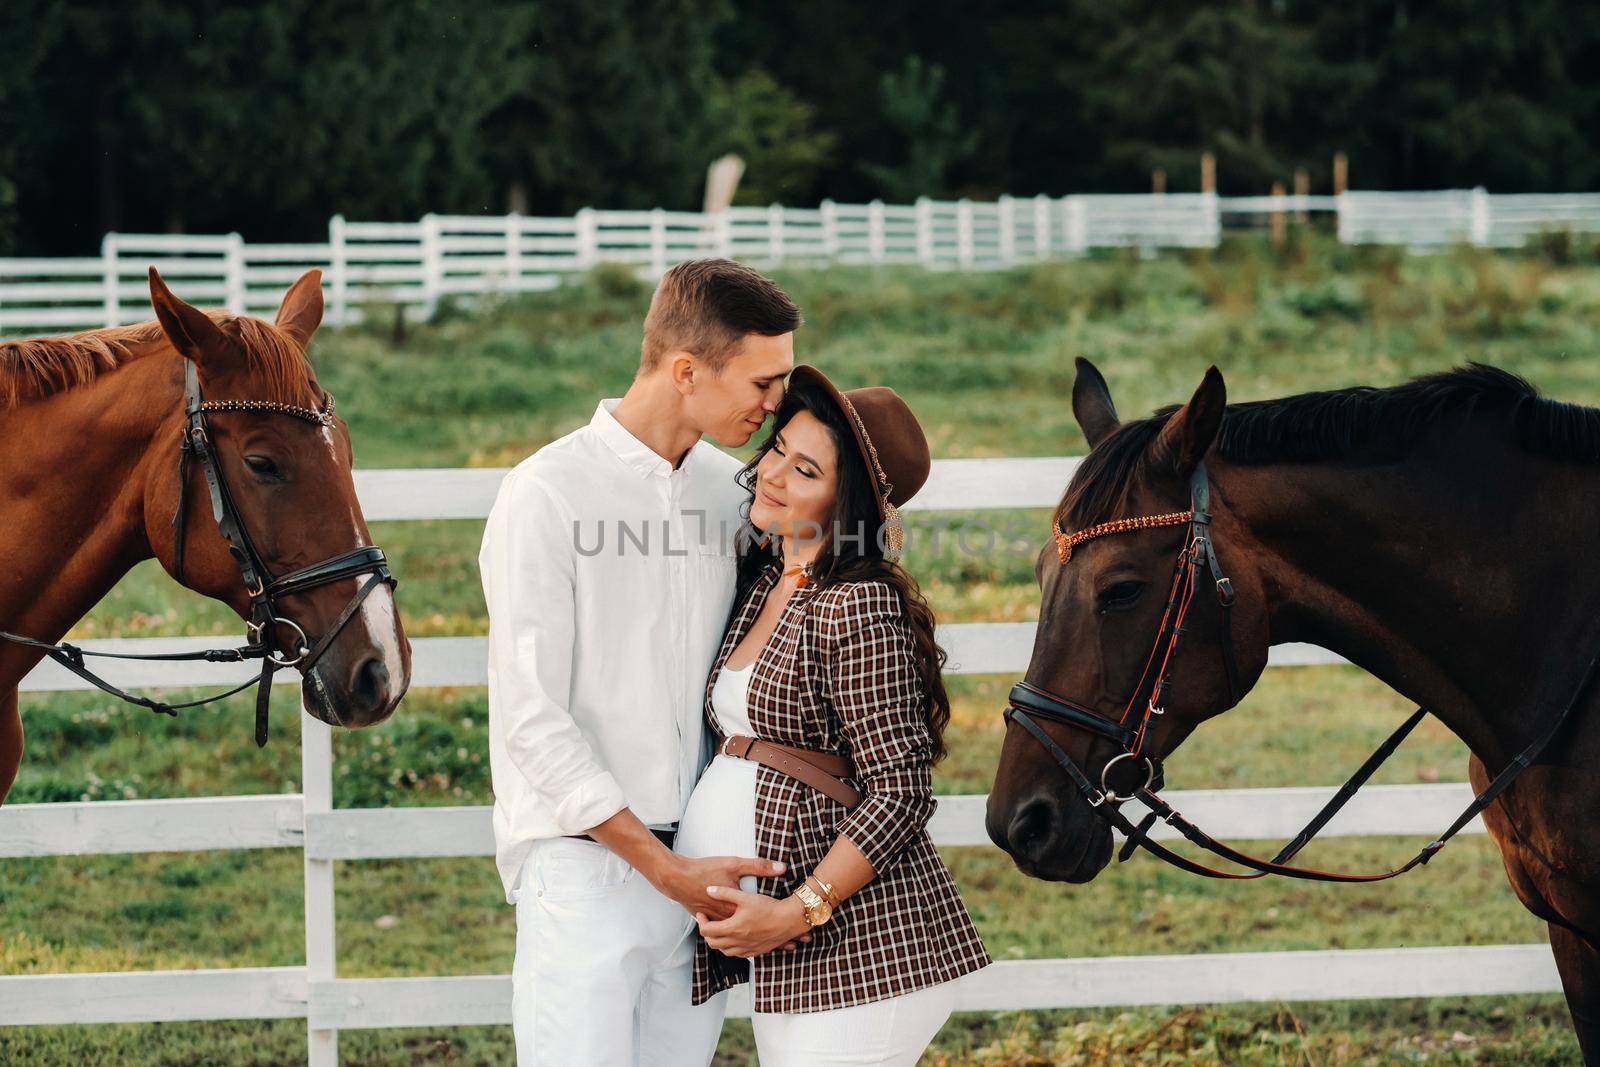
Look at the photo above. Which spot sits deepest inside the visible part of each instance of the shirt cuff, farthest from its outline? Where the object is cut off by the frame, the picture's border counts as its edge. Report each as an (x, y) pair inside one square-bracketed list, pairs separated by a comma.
[(591, 804)]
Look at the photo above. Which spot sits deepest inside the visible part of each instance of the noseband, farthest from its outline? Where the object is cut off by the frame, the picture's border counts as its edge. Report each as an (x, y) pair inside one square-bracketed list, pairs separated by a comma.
[(263, 589), (1130, 731)]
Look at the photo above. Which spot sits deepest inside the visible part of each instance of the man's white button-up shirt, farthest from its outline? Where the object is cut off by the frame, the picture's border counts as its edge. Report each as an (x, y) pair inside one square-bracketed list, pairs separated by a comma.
[(608, 576)]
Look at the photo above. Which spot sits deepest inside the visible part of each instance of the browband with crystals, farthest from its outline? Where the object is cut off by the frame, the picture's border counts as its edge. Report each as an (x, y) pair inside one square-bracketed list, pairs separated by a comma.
[(1065, 543), (323, 417)]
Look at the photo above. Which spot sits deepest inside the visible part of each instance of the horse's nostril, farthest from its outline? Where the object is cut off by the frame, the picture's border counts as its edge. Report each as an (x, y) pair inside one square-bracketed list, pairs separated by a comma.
[(369, 685), (1030, 830)]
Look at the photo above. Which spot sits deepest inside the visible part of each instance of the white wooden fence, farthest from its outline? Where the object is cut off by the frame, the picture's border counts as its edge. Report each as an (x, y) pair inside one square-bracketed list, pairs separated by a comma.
[(308, 821), (417, 264), (1463, 216)]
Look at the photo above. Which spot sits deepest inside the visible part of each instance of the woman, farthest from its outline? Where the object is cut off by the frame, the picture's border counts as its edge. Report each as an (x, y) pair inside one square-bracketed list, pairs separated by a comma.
[(830, 664)]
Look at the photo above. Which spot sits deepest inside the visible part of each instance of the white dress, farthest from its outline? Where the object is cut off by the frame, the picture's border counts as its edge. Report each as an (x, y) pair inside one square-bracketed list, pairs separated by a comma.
[(721, 817)]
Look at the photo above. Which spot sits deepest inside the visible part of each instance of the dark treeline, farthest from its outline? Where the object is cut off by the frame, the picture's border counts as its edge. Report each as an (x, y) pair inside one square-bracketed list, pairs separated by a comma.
[(268, 117)]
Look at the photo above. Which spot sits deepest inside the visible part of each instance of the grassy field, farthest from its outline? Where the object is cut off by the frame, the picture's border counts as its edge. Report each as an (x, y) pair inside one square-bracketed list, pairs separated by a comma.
[(986, 362)]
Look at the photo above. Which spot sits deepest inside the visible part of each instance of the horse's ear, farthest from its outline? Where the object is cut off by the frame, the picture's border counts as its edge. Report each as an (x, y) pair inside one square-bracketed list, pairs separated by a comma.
[(301, 311), (190, 330), (1091, 403), (1192, 428)]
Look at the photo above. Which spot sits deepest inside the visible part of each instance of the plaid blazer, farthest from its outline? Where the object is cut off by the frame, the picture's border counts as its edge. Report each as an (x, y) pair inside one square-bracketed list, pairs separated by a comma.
[(839, 675)]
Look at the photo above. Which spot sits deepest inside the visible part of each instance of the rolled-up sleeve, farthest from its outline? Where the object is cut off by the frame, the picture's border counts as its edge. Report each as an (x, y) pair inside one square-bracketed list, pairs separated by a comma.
[(527, 565), (876, 691)]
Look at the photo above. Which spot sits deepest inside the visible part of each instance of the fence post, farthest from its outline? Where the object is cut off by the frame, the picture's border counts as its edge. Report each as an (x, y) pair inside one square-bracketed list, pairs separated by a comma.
[(1076, 222), (588, 238), (338, 266), (513, 252), (924, 231), (830, 229), (1213, 205), (111, 277), (775, 233), (964, 233), (1041, 225), (1006, 210), (875, 234), (432, 264), (234, 266), (316, 788), (1480, 216), (658, 242)]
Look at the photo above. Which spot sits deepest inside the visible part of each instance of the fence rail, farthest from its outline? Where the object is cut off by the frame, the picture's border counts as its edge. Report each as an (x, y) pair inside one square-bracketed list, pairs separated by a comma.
[(418, 264), (308, 821)]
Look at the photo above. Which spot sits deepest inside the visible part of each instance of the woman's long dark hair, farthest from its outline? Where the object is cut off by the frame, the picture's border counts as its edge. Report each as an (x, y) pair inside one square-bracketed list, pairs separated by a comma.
[(856, 556)]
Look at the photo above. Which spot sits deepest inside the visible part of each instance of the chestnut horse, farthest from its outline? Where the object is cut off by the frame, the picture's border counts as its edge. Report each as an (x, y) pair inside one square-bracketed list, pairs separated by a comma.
[(91, 427), (1439, 534)]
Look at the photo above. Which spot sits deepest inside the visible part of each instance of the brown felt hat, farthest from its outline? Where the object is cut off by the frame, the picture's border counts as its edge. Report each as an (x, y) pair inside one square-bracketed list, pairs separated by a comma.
[(890, 440)]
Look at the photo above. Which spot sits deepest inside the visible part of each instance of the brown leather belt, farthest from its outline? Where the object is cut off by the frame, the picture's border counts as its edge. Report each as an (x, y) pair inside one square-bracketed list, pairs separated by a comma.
[(820, 770), (666, 836)]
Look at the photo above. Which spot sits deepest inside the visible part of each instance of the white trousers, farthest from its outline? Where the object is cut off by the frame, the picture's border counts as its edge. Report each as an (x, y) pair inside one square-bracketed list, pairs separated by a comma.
[(884, 1033), (603, 966)]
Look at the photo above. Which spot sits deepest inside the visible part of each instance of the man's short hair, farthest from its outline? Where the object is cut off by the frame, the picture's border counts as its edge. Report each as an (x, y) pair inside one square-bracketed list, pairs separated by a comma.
[(707, 306)]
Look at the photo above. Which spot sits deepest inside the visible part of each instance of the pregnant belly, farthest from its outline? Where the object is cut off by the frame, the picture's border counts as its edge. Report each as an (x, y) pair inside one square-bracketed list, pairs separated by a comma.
[(721, 817)]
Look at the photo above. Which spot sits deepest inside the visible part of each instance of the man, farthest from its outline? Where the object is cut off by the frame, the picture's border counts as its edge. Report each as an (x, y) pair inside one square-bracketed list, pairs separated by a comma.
[(608, 567)]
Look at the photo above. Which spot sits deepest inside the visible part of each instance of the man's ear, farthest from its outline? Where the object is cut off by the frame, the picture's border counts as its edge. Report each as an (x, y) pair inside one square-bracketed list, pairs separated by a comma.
[(190, 330), (684, 370), (1192, 428), (1091, 403)]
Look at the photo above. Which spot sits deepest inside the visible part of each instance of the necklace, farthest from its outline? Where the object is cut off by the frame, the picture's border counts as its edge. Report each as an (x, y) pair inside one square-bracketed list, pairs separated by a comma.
[(800, 569)]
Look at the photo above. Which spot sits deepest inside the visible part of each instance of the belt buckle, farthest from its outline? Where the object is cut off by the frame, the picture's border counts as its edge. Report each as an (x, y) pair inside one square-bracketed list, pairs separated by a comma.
[(723, 748)]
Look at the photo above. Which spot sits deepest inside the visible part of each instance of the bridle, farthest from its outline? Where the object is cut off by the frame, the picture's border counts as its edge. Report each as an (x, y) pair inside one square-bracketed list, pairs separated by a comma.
[(1132, 728), (1130, 732), (264, 590)]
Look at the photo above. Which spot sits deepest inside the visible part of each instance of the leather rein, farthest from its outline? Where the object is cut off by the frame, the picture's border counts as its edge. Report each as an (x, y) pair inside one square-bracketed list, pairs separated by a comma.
[(1028, 703), (261, 631)]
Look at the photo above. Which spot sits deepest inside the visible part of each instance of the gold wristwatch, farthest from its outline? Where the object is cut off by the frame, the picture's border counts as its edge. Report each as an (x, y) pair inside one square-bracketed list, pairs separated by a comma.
[(818, 908)]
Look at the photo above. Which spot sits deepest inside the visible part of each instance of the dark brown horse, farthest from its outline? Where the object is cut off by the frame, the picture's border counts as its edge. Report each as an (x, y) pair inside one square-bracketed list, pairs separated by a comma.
[(1440, 534), (90, 431)]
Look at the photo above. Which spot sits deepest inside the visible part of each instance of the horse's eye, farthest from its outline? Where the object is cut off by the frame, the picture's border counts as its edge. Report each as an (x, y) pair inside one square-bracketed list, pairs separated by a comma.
[(1120, 595), (263, 466)]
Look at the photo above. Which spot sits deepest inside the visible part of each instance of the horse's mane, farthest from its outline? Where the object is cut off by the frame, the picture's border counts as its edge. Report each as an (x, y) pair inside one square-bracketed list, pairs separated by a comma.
[(1361, 424), (41, 366)]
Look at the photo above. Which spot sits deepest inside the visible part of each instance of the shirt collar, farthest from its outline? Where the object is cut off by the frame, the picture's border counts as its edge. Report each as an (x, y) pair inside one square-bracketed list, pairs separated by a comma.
[(637, 455)]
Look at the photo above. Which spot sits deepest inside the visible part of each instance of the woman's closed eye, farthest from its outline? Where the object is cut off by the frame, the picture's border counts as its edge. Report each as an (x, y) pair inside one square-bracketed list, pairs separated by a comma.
[(1119, 596), (801, 468)]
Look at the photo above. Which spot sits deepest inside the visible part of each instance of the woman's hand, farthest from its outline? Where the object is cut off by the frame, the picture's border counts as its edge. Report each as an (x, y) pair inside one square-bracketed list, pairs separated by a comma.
[(758, 924)]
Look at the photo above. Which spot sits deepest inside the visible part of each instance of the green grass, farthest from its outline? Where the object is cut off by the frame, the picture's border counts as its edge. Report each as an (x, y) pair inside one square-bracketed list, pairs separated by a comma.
[(986, 361)]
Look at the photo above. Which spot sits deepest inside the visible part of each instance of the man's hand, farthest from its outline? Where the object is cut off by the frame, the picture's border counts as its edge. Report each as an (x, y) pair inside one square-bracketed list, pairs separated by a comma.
[(685, 880), (678, 877)]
